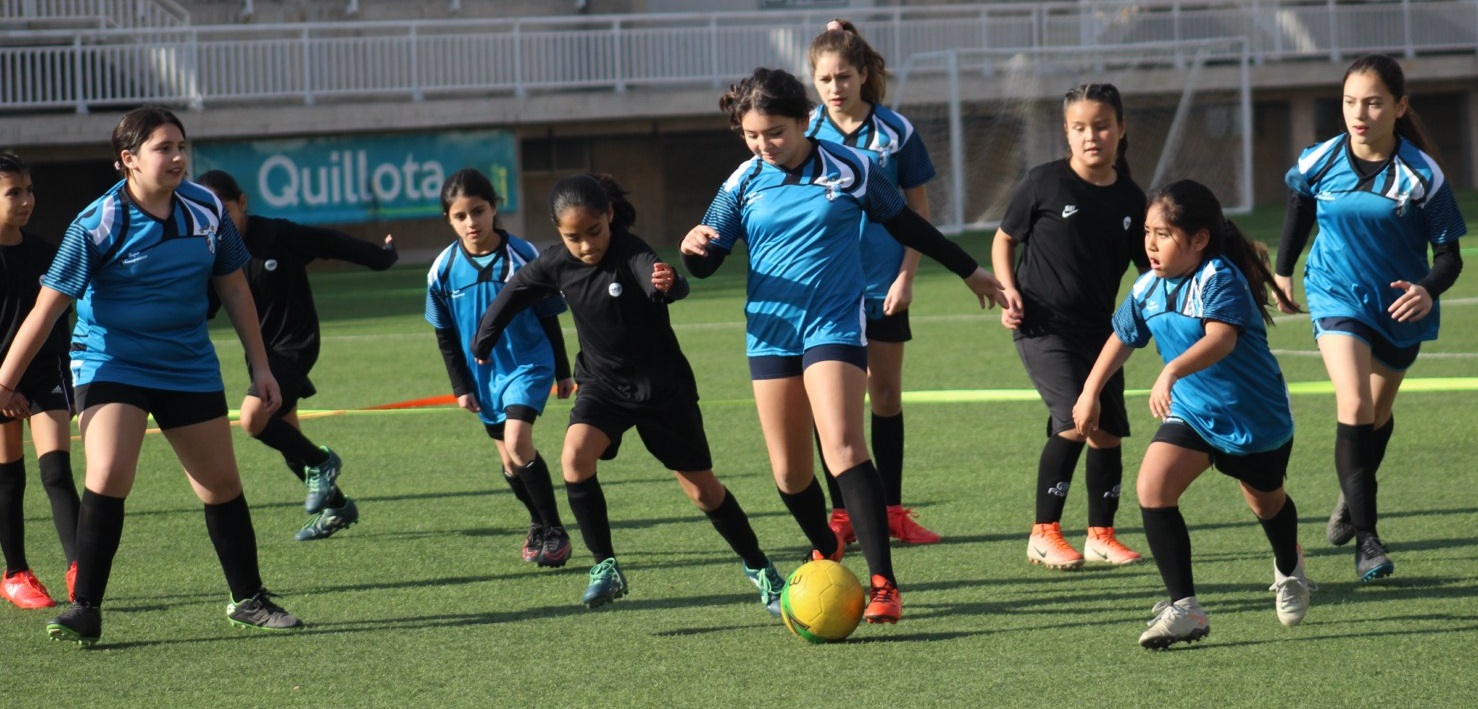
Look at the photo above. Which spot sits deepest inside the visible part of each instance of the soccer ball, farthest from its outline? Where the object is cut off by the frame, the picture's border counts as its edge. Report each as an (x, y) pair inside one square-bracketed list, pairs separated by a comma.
[(822, 602)]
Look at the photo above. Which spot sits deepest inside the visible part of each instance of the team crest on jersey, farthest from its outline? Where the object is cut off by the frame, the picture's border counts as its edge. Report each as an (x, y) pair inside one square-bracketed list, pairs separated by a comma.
[(614, 290), (1127, 220), (270, 264), (832, 181)]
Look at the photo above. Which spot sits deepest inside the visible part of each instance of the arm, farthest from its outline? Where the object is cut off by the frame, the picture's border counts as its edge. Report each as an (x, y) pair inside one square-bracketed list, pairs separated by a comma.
[(456, 366), (1113, 356), (915, 232), (1298, 224), (519, 294), (236, 299), (1416, 302), (1218, 342), (900, 293), (701, 257), (329, 244), (564, 384), (1003, 263), (50, 304)]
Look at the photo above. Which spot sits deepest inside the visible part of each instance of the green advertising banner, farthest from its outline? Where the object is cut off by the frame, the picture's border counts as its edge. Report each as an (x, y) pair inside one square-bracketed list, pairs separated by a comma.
[(360, 178)]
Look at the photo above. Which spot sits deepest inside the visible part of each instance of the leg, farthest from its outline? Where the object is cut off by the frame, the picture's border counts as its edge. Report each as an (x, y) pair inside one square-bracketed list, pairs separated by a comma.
[(12, 498), (1166, 472), (112, 435), (204, 449), (1355, 377), (583, 446), (785, 419), (51, 433)]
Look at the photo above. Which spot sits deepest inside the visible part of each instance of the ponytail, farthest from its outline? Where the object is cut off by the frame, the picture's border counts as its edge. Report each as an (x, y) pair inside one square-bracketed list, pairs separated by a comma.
[(841, 37), (597, 193)]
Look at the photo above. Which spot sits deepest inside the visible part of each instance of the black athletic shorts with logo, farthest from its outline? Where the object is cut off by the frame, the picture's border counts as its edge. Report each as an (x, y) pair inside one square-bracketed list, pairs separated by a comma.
[(47, 386)]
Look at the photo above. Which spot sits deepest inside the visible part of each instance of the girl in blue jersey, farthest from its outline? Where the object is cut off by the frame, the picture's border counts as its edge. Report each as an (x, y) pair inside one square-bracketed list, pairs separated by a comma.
[(1080, 223), (509, 390), (798, 204), (1220, 396), (851, 79), (1380, 201), (134, 262), (44, 398)]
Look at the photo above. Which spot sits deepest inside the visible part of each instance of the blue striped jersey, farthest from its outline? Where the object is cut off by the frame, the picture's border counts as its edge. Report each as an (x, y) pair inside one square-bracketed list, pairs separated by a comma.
[(803, 228), (140, 284), (1373, 230), (900, 155), (1240, 403)]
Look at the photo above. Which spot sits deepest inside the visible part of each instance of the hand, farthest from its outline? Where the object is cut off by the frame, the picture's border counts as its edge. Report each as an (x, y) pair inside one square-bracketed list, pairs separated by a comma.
[(468, 402), (267, 390), (564, 388), (1413, 305), (695, 243), (15, 406), (1160, 394), (900, 295), (389, 242), (1289, 306), (1085, 414), (1013, 311), (986, 287), (662, 277)]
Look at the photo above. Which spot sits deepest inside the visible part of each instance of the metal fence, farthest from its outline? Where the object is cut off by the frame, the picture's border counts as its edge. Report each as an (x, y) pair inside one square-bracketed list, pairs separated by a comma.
[(94, 13), (305, 63)]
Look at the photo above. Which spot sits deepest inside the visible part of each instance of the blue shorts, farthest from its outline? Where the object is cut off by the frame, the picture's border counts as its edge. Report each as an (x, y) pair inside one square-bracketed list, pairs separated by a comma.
[(1395, 358), (528, 387), (786, 366)]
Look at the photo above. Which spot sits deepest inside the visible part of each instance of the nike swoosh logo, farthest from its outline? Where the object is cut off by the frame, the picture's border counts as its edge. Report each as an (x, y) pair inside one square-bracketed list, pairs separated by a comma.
[(1039, 552), (133, 260), (1069, 210)]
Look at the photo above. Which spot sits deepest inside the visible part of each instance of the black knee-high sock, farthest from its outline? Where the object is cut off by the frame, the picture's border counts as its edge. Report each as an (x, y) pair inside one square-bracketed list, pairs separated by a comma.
[(588, 503), (1170, 542), (837, 501), (887, 455), (298, 467), (290, 442), (1105, 472), (733, 525), (1054, 476), (866, 504), (521, 491), (13, 516), (1282, 531), (535, 479), (1380, 438), (808, 507), (99, 527), (1353, 458), (229, 525), (56, 477)]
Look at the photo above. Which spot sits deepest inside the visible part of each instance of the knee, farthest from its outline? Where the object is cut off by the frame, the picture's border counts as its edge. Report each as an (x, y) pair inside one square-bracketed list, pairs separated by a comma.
[(253, 422), (886, 400)]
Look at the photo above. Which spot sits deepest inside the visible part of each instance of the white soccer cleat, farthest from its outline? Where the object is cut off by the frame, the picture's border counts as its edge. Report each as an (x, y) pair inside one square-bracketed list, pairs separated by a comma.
[(1293, 593), (1181, 621)]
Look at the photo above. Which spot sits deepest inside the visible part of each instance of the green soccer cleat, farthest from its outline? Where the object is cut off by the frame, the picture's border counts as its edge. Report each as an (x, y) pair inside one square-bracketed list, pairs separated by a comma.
[(320, 480), (330, 520), (607, 583), (770, 583)]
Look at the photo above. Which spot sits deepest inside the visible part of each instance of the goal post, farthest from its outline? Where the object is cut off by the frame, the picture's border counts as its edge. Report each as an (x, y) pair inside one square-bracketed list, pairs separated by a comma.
[(987, 116)]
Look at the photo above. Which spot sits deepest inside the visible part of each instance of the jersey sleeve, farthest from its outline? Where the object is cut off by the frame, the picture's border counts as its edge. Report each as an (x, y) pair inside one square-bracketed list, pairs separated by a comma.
[(881, 199), (550, 306), (1225, 297), (1129, 324), (231, 253), (319, 243), (724, 217), (914, 166), (437, 312), (1440, 215), (1297, 182), (1017, 221), (72, 268)]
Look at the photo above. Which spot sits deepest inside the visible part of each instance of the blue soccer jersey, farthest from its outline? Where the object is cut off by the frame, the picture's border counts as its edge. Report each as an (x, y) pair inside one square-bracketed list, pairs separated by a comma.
[(803, 228), (1373, 230), (1239, 404), (899, 153), (459, 287), (140, 284)]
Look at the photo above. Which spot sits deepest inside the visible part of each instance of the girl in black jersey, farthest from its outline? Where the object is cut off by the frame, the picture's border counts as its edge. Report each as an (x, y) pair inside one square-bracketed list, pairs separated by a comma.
[(43, 396), (1081, 220), (278, 276), (630, 370)]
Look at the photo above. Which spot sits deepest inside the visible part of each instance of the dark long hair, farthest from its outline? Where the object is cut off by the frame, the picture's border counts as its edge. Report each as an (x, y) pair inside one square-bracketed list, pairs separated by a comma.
[(468, 182), (1388, 70), (10, 162), (854, 50), (221, 183), (773, 92), (596, 192), (1106, 94), (135, 127), (1190, 207)]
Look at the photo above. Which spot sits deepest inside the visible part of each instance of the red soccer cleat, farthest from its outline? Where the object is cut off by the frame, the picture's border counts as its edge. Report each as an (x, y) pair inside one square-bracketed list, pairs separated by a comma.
[(886, 605), (72, 582), (901, 526), (25, 590), (841, 523)]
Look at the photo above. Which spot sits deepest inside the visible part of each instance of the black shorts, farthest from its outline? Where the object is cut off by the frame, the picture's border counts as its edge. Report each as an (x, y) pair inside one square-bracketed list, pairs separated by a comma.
[(292, 382), (517, 412), (784, 367), (170, 409), (1059, 365), (1263, 471), (673, 435), (889, 328), (47, 386), (1394, 358)]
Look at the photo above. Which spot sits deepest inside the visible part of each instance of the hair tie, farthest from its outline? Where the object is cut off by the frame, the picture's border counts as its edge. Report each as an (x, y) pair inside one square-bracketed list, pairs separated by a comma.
[(835, 26)]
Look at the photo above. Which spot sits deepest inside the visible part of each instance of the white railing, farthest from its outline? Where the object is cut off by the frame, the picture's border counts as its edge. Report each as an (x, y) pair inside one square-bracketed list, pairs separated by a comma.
[(236, 64), (136, 14)]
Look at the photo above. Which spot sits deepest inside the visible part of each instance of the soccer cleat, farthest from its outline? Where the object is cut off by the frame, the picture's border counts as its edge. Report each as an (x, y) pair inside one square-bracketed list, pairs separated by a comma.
[(1102, 546), (533, 541), (885, 605), (1371, 561), (1293, 593), (770, 583), (901, 526), (72, 582), (330, 520), (1047, 547), (260, 612), (81, 624), (607, 583), (1180, 622), (841, 523), (320, 480), (554, 548), (25, 590), (1340, 531), (841, 551)]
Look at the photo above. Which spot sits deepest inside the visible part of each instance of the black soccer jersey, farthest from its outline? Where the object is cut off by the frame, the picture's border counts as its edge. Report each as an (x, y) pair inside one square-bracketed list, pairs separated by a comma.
[(1077, 240), (21, 268), (278, 276), (628, 350)]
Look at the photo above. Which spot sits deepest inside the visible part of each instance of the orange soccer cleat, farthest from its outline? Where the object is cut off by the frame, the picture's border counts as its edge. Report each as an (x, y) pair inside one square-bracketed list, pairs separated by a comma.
[(901, 526), (1047, 547), (1102, 546), (25, 590), (886, 605)]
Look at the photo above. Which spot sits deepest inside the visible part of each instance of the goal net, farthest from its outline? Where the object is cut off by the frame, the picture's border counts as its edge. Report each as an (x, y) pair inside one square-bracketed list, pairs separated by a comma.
[(987, 116)]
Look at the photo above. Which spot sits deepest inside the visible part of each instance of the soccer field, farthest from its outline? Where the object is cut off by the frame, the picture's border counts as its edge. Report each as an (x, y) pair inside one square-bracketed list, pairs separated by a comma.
[(426, 600)]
